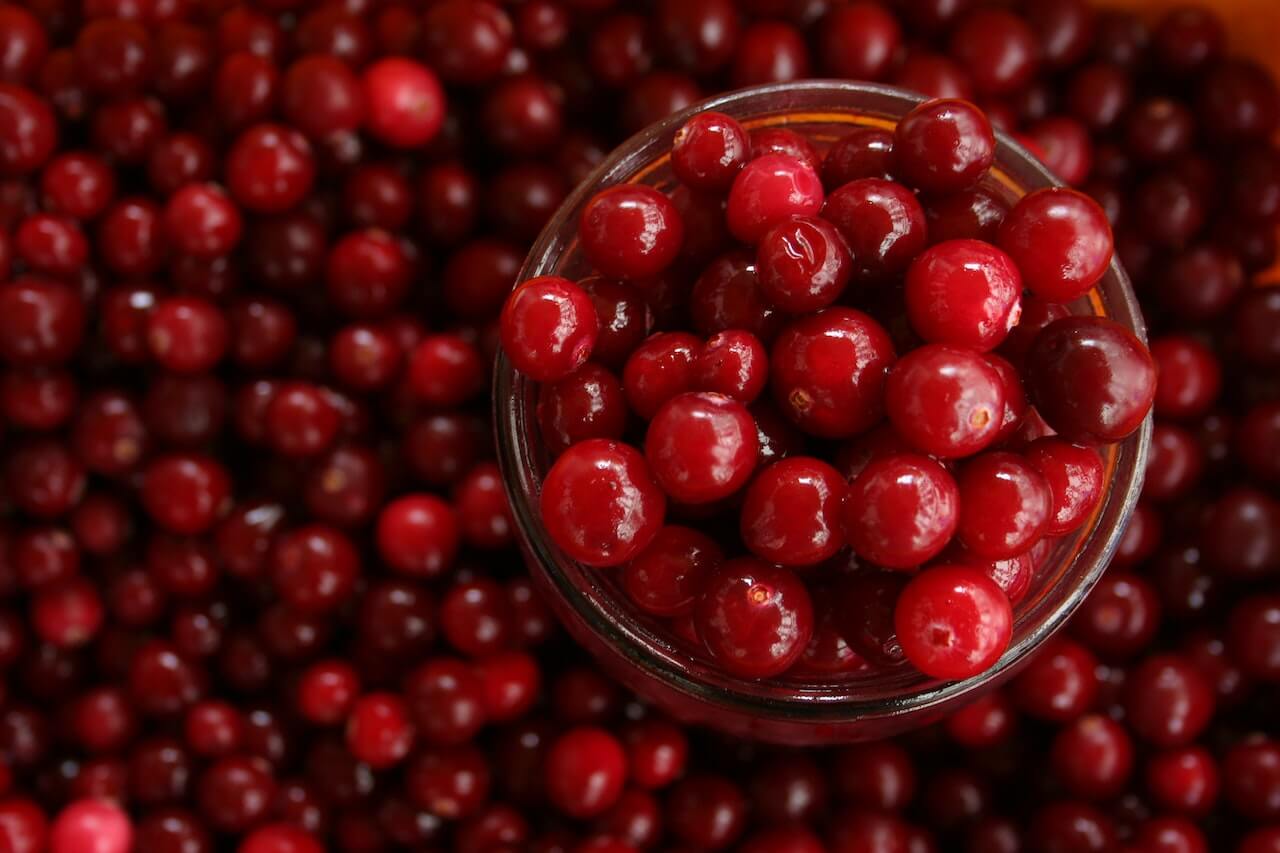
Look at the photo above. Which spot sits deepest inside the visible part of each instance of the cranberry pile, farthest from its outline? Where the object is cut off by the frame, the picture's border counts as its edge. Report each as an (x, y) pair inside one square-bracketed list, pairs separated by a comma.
[(258, 590), (913, 436)]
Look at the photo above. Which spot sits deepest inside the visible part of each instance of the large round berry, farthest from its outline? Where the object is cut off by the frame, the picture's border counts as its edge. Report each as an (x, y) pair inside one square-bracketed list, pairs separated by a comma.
[(883, 224), (701, 447), (827, 372), (631, 231), (943, 146), (901, 510), (600, 504), (1074, 475), (1091, 379), (755, 619), (953, 622), (548, 328), (1061, 241), (666, 577), (768, 190), (803, 264), (1005, 505), (946, 401), (791, 512), (709, 151), (963, 292)]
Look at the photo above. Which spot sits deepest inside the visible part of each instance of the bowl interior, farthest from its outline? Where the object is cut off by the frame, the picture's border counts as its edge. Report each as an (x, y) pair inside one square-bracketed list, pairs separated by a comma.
[(822, 112)]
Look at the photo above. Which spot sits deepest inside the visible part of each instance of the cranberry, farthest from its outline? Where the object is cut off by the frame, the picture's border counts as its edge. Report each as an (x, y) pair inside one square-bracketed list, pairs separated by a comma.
[(859, 41), (828, 371), (269, 168), (185, 493), (1250, 770), (706, 811), (1111, 373), (791, 512), (631, 231), (405, 103), (943, 146), (945, 401), (964, 293), (1061, 242), (418, 535), (548, 328), (769, 52), (727, 296), (585, 771), (1074, 476), (1005, 505), (901, 510), (883, 223), (600, 503), (754, 619), (768, 190), (708, 152), (659, 369), (91, 825), (1184, 779), (701, 447), (803, 264), (1167, 702)]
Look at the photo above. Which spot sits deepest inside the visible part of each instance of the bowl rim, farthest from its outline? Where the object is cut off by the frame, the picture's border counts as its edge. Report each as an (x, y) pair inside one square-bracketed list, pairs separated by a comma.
[(514, 423)]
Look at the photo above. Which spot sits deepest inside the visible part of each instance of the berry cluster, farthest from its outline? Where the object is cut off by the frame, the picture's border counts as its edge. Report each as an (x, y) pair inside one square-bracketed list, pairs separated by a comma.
[(258, 590), (902, 451)]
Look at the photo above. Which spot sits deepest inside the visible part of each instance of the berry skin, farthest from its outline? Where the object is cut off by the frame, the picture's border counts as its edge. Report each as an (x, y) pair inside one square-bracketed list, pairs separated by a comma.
[(943, 146), (405, 104), (965, 293), (1005, 505), (803, 264), (882, 223), (701, 447), (91, 826), (1091, 379), (791, 512), (600, 502), (709, 151), (666, 577), (945, 401), (548, 328), (631, 232), (1074, 475), (585, 770), (827, 372), (768, 190), (901, 510), (755, 619), (953, 622), (1060, 240)]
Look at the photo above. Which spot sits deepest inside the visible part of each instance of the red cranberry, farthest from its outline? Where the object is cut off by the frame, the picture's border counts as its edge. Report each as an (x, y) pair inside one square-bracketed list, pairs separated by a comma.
[(791, 512), (1005, 505), (701, 447), (1075, 479), (549, 327), (803, 264), (754, 619), (1167, 702), (585, 771), (882, 222), (859, 41), (1110, 372), (943, 146), (631, 231), (901, 510), (769, 189), (769, 52), (708, 152), (405, 103), (269, 168), (964, 293), (998, 49)]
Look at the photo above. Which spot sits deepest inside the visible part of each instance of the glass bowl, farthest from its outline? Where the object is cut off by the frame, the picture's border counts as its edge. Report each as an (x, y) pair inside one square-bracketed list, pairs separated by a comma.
[(643, 655)]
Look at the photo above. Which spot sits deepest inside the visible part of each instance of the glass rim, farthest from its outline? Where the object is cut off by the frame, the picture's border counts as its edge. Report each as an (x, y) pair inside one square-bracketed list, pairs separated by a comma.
[(805, 703)]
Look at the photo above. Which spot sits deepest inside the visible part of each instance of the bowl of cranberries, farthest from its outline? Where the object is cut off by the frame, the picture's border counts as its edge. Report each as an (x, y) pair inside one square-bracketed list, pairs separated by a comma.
[(820, 406)]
